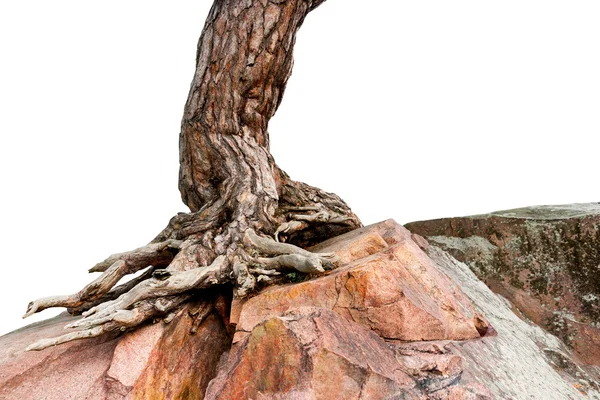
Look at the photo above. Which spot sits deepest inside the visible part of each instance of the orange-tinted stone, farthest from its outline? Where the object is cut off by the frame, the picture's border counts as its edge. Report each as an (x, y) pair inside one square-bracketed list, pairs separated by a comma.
[(395, 290)]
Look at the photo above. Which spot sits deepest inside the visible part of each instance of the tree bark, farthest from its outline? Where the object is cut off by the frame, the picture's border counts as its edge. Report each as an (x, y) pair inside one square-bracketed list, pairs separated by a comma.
[(242, 204), (244, 60)]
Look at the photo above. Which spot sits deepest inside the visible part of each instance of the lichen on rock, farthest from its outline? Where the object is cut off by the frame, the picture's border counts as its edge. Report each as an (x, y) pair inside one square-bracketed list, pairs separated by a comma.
[(545, 260)]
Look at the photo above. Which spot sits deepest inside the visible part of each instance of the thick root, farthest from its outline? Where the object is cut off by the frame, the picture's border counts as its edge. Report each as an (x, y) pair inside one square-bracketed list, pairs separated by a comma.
[(306, 265), (91, 292), (160, 285), (314, 216), (246, 262), (113, 293), (114, 268), (156, 254), (271, 247), (281, 257), (120, 321)]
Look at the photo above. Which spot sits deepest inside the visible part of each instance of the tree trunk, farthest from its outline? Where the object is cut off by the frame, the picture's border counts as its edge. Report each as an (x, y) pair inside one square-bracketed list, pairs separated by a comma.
[(238, 197), (244, 60)]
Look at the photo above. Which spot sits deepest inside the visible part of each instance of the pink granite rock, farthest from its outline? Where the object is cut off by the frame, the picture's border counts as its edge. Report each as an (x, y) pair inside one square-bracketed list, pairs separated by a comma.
[(314, 353), (389, 323), (156, 361), (387, 284)]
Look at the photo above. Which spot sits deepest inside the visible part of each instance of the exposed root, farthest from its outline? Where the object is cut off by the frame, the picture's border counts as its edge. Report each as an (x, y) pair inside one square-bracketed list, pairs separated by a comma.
[(114, 268), (288, 256), (120, 321), (160, 285), (113, 293), (281, 257), (306, 265), (91, 292), (245, 282), (315, 216), (156, 254), (247, 262), (265, 272)]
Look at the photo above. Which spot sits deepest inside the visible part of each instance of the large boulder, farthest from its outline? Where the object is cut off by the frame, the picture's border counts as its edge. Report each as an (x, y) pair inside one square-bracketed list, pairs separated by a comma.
[(545, 260), (399, 319), (388, 271), (518, 360), (314, 353), (387, 284)]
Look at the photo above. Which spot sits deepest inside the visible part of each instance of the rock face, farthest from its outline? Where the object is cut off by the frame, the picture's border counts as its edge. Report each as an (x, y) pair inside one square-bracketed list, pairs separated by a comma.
[(324, 338), (545, 260), (521, 360), (154, 362), (400, 319), (388, 285)]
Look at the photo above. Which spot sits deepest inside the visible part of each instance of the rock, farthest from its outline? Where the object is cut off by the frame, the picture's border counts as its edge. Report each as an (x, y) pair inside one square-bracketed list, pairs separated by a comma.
[(388, 285), (545, 260), (156, 361), (519, 359), (392, 322), (315, 353)]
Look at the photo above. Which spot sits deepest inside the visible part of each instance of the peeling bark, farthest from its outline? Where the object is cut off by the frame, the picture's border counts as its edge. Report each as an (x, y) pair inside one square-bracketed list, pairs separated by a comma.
[(238, 197)]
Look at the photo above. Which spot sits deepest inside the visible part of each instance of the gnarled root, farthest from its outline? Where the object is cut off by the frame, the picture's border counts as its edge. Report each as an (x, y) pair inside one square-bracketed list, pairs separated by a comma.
[(270, 258), (159, 292), (167, 283), (313, 216), (157, 254), (114, 268), (121, 320)]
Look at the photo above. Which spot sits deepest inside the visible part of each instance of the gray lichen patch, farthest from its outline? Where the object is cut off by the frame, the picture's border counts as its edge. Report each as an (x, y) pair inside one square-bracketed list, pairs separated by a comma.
[(565, 211), (477, 251), (476, 243)]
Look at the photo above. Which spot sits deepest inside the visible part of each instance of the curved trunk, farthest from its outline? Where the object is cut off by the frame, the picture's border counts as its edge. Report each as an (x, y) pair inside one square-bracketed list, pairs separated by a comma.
[(229, 180), (244, 60)]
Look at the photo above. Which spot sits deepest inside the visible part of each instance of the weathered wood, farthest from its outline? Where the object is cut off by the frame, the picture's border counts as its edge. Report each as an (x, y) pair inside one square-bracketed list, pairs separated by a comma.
[(121, 321), (229, 180), (244, 60), (91, 292), (156, 254)]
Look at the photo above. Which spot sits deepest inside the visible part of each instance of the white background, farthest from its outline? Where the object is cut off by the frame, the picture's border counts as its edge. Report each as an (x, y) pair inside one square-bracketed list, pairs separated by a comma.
[(406, 109)]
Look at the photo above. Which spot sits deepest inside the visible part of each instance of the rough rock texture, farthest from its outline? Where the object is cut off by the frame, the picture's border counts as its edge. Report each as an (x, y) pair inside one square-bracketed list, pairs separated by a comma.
[(545, 260), (513, 359), (310, 353), (400, 319), (314, 353), (520, 360), (152, 362), (388, 285)]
